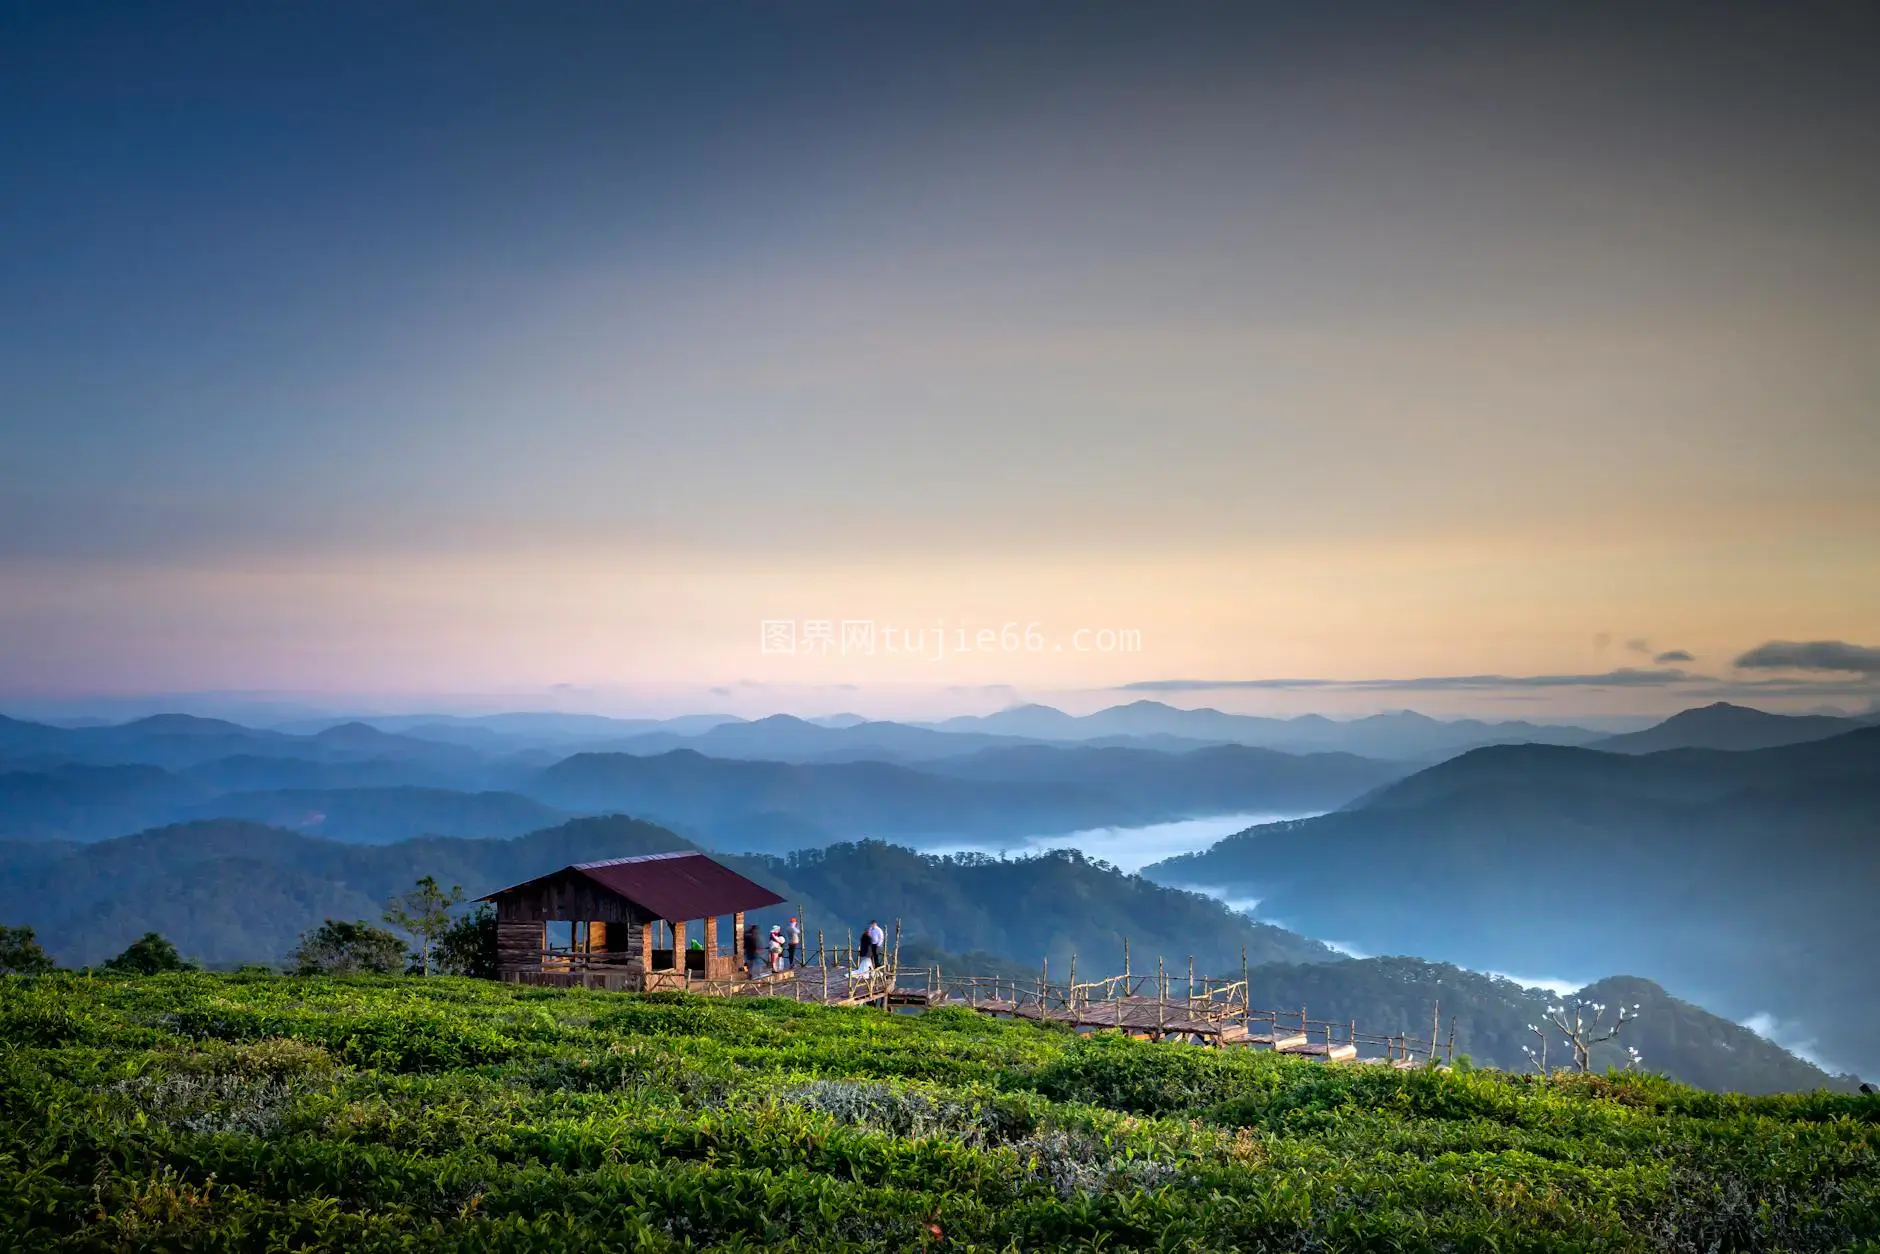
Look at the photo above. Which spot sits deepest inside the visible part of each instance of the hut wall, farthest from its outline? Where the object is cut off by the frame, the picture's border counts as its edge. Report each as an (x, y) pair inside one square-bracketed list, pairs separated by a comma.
[(519, 946), (565, 896)]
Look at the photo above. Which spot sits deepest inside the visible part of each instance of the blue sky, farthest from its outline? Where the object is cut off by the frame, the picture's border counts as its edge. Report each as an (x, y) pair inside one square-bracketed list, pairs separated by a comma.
[(466, 348)]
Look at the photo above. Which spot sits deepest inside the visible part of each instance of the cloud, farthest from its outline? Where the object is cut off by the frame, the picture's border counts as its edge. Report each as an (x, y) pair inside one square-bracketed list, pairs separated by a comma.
[(1638, 644), (1815, 655), (1624, 677), (1790, 1035), (1817, 689), (1672, 655), (1559, 986), (721, 692), (1345, 948)]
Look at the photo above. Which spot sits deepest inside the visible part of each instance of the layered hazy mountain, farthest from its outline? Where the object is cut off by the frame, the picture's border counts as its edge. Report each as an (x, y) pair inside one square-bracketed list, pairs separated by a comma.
[(991, 795), (1726, 726), (1726, 853), (774, 784), (1744, 877), (1402, 734)]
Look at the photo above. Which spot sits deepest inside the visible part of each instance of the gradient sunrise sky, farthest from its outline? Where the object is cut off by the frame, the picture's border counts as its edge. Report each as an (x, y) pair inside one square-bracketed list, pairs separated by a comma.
[(1516, 360)]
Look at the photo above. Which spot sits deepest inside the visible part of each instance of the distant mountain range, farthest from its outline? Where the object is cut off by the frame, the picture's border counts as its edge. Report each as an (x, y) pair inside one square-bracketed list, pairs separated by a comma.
[(1735, 727), (994, 794), (356, 782), (179, 740), (1748, 877), (1401, 734)]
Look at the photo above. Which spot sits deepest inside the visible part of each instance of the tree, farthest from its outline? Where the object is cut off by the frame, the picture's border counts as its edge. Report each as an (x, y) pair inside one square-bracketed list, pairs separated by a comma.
[(424, 915), (20, 953), (149, 954), (1582, 1033), (469, 947), (339, 948)]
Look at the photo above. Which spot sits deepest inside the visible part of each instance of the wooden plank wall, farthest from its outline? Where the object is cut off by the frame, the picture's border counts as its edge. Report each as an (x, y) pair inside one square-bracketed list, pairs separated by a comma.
[(566, 895), (519, 946)]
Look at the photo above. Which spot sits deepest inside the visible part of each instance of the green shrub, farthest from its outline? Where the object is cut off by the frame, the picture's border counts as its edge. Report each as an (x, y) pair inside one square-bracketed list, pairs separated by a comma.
[(149, 954), (341, 948), (20, 953), (380, 1114)]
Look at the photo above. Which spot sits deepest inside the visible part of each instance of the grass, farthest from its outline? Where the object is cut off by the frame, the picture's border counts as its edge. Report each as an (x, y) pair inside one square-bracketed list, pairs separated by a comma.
[(204, 1112)]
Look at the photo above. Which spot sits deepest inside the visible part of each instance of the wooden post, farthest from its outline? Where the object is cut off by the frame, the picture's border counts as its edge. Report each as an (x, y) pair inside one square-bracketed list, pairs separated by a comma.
[(1451, 1052), (1161, 996), (894, 962), (1246, 989), (1073, 990), (1436, 1027), (1302, 1019), (1126, 966), (822, 955), (737, 938)]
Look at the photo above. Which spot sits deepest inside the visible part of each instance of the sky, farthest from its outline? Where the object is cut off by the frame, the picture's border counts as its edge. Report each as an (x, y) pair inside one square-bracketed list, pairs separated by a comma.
[(1504, 360)]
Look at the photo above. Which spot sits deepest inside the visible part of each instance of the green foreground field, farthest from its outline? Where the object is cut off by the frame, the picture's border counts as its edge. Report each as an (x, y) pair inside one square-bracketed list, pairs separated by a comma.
[(202, 1112)]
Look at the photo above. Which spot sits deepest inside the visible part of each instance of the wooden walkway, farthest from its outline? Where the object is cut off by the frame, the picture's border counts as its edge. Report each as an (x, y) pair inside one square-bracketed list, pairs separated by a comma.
[(1212, 1012), (1220, 1018)]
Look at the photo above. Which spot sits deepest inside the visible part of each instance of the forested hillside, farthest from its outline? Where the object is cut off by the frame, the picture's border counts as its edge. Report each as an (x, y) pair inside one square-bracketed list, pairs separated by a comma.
[(1745, 879), (229, 892)]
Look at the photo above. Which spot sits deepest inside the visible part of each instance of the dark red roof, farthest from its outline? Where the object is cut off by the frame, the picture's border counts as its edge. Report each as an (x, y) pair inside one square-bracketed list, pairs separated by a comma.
[(674, 886)]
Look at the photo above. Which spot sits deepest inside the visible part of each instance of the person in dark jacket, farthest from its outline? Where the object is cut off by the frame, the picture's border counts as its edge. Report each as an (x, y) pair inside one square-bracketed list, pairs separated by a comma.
[(750, 949)]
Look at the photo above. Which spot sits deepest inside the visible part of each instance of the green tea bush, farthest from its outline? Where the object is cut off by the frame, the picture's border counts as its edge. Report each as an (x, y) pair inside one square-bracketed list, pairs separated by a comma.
[(191, 1111)]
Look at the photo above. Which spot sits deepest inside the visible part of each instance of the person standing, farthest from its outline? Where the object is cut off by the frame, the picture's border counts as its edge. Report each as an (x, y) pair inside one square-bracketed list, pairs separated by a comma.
[(875, 938), (776, 948), (795, 939), (750, 950)]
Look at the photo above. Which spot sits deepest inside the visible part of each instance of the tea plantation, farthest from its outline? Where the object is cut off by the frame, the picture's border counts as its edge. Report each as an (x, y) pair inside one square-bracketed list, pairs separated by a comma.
[(204, 1112)]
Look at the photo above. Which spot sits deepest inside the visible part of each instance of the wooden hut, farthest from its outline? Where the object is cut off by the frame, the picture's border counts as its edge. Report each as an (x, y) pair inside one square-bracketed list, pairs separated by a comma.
[(625, 923)]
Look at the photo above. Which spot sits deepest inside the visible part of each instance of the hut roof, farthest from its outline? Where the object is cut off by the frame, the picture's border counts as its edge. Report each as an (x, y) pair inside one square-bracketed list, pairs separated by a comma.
[(673, 886)]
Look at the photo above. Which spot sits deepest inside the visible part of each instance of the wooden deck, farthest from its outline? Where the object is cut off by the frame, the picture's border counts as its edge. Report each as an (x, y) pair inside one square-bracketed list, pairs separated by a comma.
[(1216, 1012)]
